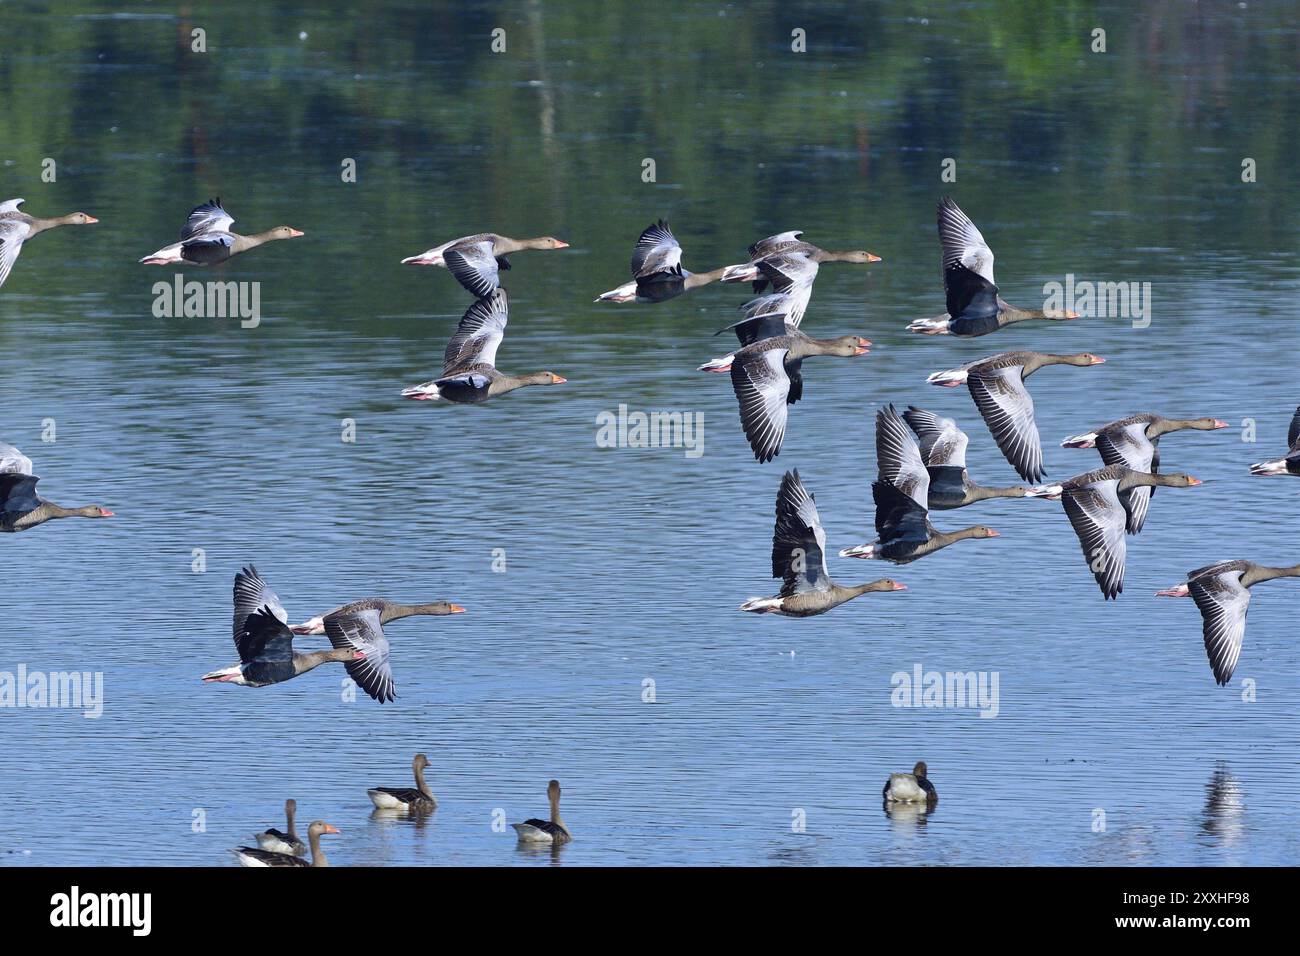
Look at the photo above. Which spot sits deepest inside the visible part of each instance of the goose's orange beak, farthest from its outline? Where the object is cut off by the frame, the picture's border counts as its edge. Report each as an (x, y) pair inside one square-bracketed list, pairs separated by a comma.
[(457, 609), (1097, 360), (557, 380), (331, 829), (872, 257), (1193, 482), (90, 219)]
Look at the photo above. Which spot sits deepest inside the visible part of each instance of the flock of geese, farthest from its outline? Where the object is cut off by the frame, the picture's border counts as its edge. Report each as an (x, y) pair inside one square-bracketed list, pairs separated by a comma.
[(921, 457)]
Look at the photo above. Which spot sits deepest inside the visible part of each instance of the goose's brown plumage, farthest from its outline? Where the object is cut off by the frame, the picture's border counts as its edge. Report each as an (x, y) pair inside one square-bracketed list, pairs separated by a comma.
[(997, 384), (17, 227), (207, 239), (21, 507), (799, 560), (974, 306), (1095, 504), (251, 856), (1135, 442), (469, 372), (1222, 595), (476, 261), (901, 493)]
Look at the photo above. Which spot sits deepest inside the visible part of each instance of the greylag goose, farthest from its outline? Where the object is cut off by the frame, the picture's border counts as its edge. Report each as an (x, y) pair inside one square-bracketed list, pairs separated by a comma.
[(1288, 464), (20, 506), (206, 238), (657, 273), (768, 325), (760, 377), (1097, 507), (914, 787), (943, 449), (1222, 594), (799, 559), (265, 643), (997, 384), (17, 227), (1135, 442), (388, 611), (902, 493), (476, 261), (249, 856), (789, 266), (287, 841), (545, 831), (974, 306), (418, 798), (469, 372)]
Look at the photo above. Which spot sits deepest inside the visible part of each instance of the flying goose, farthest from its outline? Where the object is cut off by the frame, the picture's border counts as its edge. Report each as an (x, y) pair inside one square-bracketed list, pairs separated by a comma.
[(943, 449), (388, 611), (206, 238), (265, 643), (974, 306), (1095, 503), (901, 493), (1289, 464), (1222, 594), (17, 227), (469, 372), (475, 260), (997, 384), (657, 273), (20, 506), (1135, 442), (799, 559), (761, 378)]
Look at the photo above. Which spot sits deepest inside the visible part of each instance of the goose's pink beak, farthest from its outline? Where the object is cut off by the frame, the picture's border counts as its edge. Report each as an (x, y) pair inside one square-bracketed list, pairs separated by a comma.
[(560, 244), (993, 534), (105, 513), (1220, 423), (899, 587), (90, 219), (1097, 360), (872, 257), (295, 233)]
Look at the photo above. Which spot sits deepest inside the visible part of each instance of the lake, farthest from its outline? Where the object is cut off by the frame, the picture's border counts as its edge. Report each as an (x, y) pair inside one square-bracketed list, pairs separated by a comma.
[(588, 571)]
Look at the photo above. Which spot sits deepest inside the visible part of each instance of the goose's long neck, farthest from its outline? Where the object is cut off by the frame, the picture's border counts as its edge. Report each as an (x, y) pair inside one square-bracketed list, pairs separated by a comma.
[(980, 493), (306, 662), (244, 243), (394, 612), (1261, 573), (288, 815), (40, 225), (555, 811), (948, 537), (1163, 426), (1132, 478), (58, 511), (508, 383), (697, 279), (317, 854), (420, 784)]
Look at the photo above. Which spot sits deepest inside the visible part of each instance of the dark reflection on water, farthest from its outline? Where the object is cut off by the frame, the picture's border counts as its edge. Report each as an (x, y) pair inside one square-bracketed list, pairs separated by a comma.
[(627, 564)]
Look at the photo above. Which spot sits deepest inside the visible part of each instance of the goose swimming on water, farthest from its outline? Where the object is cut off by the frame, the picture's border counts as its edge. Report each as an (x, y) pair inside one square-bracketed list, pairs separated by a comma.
[(249, 856), (419, 798), (551, 831)]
